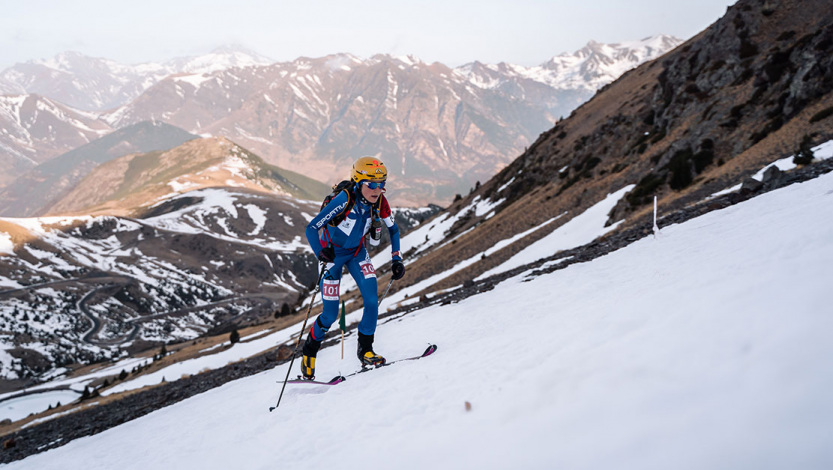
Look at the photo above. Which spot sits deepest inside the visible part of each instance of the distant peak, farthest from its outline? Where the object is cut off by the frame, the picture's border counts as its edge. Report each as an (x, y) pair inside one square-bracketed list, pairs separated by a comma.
[(235, 49), (70, 54)]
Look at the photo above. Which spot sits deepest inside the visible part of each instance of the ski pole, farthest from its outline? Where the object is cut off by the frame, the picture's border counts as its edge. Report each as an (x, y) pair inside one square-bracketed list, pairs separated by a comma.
[(342, 325), (303, 328), (386, 292)]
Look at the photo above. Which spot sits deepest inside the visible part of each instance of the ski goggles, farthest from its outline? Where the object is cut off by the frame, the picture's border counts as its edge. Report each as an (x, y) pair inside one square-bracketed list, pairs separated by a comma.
[(375, 184)]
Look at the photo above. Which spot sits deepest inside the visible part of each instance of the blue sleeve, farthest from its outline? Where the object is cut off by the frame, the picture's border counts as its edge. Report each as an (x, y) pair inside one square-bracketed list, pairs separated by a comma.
[(394, 239), (335, 207)]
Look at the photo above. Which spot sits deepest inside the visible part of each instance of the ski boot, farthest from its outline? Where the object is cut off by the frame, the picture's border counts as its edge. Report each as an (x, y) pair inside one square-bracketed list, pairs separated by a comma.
[(310, 350), (366, 355)]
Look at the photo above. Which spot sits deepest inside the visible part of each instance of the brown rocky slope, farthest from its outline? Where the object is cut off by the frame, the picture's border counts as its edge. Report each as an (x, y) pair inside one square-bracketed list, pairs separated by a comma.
[(752, 88)]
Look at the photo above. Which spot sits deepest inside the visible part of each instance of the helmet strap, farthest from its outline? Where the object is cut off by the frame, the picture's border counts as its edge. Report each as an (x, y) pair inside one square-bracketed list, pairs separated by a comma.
[(359, 196)]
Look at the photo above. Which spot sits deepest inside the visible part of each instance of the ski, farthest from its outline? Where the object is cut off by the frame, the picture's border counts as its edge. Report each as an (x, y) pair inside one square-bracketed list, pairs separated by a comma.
[(300, 380), (341, 378), (430, 350)]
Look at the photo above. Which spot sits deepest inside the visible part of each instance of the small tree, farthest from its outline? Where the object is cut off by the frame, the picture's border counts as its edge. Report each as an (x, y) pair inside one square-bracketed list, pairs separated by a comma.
[(680, 166), (235, 336), (285, 310)]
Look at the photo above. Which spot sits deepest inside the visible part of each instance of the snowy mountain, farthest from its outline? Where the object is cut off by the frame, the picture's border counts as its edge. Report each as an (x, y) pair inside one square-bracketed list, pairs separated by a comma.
[(315, 115), (77, 290), (582, 72), (678, 351), (44, 185), (597, 64), (97, 84), (50, 107), (35, 129), (146, 278), (221, 58)]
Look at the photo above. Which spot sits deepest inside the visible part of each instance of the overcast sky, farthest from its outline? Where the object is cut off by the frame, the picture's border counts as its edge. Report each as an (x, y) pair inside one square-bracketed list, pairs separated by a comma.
[(454, 32)]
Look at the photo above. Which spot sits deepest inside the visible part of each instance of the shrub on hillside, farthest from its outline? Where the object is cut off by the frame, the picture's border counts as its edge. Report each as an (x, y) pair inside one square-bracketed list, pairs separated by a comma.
[(804, 156), (823, 114), (644, 189)]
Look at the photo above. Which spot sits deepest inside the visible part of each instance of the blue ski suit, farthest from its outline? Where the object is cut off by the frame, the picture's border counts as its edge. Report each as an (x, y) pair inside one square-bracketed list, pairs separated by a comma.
[(348, 240)]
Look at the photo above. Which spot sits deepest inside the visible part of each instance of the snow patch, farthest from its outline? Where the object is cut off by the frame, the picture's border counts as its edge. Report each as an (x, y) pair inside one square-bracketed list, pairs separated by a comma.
[(195, 80), (582, 229), (6, 244), (258, 216)]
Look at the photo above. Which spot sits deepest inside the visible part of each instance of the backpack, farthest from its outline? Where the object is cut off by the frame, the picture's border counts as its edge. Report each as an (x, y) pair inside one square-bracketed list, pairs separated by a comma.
[(346, 186)]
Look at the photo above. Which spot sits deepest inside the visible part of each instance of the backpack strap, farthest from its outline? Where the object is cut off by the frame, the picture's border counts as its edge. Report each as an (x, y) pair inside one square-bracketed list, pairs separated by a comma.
[(344, 186), (374, 208), (350, 188)]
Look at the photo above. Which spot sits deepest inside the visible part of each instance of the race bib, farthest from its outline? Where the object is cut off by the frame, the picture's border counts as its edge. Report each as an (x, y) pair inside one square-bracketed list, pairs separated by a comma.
[(367, 269), (329, 289)]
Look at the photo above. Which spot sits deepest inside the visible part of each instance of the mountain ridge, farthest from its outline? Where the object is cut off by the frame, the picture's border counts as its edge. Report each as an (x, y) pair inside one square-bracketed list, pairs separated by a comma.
[(314, 115), (125, 185), (46, 183), (36, 129), (96, 84)]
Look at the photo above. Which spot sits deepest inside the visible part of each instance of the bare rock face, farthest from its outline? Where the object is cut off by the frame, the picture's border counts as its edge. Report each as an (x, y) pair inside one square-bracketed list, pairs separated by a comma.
[(750, 185)]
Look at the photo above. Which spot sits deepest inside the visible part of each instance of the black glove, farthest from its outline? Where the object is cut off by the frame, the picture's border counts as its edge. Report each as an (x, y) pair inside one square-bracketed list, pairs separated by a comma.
[(397, 269), (327, 254)]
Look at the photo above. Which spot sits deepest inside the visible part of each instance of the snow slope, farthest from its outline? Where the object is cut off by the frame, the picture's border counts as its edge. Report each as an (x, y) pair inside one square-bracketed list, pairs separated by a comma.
[(582, 229), (708, 347)]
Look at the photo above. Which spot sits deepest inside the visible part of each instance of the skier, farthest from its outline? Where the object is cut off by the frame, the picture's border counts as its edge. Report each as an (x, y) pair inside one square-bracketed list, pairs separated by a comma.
[(337, 236)]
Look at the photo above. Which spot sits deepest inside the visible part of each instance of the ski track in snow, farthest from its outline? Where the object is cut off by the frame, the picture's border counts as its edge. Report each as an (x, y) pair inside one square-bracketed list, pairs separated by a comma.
[(707, 348)]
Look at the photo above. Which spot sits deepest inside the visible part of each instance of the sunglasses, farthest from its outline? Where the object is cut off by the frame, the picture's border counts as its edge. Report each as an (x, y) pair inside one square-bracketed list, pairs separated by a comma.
[(375, 184)]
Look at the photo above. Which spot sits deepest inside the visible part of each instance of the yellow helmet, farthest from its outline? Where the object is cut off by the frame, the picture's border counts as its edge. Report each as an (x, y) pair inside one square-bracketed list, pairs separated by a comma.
[(369, 169)]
